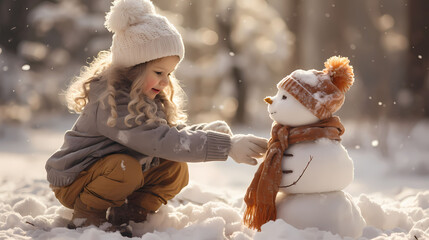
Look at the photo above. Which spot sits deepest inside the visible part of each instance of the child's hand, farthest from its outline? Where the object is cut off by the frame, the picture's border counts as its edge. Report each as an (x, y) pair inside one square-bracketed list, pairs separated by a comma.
[(218, 126), (245, 148)]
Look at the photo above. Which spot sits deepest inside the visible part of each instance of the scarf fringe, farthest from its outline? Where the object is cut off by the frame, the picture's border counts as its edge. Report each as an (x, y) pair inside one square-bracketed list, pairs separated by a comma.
[(257, 215)]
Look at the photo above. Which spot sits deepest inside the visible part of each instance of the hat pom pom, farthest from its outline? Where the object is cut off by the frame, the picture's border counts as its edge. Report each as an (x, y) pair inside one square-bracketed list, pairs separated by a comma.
[(124, 13), (340, 71)]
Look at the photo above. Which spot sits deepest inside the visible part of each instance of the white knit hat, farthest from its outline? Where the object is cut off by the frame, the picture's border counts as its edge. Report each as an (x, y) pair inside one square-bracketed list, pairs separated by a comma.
[(140, 34)]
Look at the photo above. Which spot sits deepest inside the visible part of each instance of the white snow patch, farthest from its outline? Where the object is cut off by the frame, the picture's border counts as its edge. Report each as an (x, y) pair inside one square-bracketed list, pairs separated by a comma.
[(183, 145), (197, 213), (123, 137), (202, 143), (307, 77), (30, 206), (383, 215), (322, 97), (79, 221), (279, 230), (186, 143), (123, 165)]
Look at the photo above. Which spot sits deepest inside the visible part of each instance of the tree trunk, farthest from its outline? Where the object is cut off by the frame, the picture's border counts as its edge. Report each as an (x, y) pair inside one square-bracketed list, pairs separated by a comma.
[(418, 56), (225, 32), (13, 22)]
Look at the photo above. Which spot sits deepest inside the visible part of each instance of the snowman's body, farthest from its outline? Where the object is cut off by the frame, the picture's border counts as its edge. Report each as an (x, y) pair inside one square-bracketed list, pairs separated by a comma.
[(330, 169), (316, 199), (310, 193), (328, 211)]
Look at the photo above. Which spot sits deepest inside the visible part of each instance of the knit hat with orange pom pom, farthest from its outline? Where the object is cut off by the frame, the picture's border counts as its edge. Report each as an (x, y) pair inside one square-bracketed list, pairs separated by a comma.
[(322, 92)]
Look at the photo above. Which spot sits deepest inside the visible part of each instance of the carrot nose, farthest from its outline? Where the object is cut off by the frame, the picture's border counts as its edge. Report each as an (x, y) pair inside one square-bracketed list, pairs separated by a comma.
[(268, 100)]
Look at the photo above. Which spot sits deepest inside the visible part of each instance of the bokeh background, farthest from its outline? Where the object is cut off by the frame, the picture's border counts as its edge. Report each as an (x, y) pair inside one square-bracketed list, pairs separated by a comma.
[(236, 52)]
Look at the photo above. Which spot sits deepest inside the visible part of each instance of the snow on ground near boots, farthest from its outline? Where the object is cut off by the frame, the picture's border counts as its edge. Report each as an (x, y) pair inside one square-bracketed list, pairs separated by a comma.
[(395, 204)]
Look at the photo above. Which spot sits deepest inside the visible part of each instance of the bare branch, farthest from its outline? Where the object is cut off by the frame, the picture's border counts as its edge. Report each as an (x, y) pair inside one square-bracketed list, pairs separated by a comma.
[(311, 158)]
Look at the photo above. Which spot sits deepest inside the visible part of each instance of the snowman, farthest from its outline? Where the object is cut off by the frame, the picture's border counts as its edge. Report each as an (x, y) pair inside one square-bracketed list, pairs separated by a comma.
[(306, 162)]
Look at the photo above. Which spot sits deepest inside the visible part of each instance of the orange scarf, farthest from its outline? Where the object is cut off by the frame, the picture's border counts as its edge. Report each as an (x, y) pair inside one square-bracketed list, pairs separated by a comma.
[(261, 194)]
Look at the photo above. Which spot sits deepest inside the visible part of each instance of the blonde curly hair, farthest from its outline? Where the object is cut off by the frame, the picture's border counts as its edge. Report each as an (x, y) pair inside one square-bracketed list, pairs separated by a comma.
[(126, 81)]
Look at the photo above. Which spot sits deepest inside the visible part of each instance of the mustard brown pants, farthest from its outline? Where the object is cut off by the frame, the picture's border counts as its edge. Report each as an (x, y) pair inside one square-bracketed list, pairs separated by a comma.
[(114, 178)]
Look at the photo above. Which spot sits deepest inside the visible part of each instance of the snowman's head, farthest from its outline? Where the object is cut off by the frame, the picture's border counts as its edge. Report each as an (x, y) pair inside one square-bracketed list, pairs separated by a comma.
[(305, 97), (286, 110)]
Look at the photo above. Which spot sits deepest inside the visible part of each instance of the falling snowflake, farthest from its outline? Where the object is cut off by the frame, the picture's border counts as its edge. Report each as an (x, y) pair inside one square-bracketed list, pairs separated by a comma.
[(123, 166), (25, 67)]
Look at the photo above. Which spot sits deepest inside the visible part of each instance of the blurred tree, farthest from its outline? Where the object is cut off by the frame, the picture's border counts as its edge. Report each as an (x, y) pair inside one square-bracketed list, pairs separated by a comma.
[(292, 20), (225, 31), (373, 34), (236, 52), (43, 45), (13, 22), (418, 57)]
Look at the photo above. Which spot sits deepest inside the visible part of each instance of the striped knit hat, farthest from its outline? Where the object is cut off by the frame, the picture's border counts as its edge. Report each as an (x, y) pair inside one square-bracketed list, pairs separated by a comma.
[(322, 92)]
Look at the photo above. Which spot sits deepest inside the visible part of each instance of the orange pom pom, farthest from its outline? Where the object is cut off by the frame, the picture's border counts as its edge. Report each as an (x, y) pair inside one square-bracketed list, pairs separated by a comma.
[(340, 71)]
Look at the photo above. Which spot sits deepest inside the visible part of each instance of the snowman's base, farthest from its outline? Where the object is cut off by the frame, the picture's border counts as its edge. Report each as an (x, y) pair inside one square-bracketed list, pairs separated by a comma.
[(332, 211)]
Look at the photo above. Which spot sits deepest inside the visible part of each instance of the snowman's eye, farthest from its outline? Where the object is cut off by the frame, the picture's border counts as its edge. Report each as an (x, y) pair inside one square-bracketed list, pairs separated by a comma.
[(284, 97)]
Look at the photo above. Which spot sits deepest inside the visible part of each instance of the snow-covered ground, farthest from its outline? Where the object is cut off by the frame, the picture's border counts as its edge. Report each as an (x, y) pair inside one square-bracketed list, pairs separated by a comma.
[(392, 192)]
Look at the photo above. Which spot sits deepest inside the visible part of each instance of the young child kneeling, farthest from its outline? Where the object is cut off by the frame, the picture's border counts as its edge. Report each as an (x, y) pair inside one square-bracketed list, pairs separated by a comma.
[(128, 149)]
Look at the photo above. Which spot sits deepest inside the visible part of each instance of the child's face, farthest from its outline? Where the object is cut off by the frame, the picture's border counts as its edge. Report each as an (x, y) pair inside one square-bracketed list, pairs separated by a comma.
[(157, 75)]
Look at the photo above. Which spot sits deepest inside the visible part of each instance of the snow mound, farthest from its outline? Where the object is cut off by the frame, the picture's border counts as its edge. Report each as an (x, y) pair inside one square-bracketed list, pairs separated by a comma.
[(30, 206), (331, 211), (28, 210)]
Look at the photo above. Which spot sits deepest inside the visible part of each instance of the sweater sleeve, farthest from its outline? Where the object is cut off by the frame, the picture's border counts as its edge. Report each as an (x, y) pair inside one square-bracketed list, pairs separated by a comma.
[(184, 145), (193, 127)]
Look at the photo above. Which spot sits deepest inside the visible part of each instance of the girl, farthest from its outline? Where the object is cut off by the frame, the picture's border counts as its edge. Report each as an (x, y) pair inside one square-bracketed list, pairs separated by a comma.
[(128, 149)]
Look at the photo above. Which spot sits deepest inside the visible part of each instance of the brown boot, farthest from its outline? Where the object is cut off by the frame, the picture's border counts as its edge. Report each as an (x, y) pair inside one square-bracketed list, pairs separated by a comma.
[(84, 216), (125, 230), (125, 213)]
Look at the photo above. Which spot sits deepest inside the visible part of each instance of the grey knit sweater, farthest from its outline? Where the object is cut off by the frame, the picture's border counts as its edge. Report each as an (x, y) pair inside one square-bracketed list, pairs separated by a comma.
[(90, 139)]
